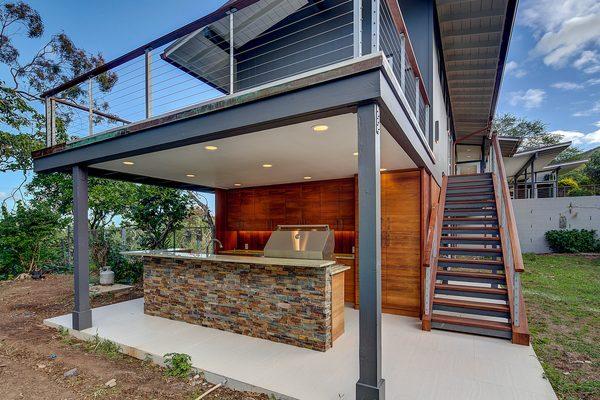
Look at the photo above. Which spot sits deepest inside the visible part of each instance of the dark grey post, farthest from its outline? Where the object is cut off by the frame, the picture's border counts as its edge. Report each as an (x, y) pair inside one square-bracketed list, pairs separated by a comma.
[(82, 314), (370, 385), (370, 26)]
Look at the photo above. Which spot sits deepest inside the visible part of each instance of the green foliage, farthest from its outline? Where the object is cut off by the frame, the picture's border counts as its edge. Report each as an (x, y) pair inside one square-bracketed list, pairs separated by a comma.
[(28, 239), (573, 241), (103, 346), (178, 365), (533, 132), (158, 212), (568, 182), (592, 168), (561, 294)]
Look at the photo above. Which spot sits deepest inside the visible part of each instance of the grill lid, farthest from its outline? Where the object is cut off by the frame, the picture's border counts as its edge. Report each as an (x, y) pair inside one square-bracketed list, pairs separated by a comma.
[(312, 242)]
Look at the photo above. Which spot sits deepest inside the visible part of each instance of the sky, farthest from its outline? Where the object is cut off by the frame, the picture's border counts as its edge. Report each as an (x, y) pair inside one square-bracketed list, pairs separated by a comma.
[(552, 71)]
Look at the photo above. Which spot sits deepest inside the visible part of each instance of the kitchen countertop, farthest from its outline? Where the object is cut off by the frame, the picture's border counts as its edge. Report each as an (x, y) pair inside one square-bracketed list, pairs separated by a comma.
[(257, 253), (286, 262)]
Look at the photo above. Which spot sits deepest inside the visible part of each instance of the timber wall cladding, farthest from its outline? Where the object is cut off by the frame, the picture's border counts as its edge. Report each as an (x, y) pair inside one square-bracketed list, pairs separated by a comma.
[(401, 242)]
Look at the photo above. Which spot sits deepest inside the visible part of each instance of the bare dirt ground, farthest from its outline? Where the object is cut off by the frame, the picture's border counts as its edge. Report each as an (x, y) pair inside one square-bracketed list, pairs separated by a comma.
[(34, 358)]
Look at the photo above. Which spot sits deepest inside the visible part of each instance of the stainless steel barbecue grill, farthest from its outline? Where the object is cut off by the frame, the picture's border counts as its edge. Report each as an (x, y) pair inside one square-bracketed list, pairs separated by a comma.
[(313, 242)]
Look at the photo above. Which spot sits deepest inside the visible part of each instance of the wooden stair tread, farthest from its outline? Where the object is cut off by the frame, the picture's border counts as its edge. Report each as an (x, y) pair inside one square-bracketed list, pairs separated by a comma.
[(470, 201), (477, 305), (472, 219), (460, 187), (495, 251), (459, 238), (470, 228), (477, 323), (470, 289), (474, 275), (468, 261)]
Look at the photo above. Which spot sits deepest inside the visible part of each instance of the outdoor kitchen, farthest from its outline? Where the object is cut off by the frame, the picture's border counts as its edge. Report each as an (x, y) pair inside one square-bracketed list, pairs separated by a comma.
[(293, 294)]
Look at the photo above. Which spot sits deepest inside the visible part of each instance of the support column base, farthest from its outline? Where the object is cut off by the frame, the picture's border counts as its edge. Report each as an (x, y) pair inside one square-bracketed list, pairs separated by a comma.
[(82, 320), (368, 392)]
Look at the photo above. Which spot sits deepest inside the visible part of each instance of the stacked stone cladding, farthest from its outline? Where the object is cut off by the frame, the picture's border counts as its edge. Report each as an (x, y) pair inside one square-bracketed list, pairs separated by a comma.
[(284, 304)]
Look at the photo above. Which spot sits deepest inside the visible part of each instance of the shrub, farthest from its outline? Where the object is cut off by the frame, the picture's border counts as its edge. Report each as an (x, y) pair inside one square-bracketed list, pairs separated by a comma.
[(178, 365), (568, 182), (573, 241)]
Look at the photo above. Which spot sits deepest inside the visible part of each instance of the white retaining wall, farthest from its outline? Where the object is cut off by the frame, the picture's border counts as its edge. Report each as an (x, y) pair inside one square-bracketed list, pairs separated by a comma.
[(537, 216)]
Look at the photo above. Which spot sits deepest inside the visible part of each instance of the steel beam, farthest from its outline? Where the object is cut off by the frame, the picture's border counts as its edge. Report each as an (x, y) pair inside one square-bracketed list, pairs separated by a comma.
[(370, 385), (82, 314)]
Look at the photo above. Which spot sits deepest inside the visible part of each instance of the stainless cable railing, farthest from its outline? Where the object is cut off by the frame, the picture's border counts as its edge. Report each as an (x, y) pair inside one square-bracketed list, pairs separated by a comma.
[(265, 42)]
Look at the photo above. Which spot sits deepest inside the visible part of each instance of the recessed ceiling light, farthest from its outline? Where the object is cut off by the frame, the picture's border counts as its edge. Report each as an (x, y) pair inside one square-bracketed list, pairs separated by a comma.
[(356, 153), (308, 177), (128, 162), (382, 169), (468, 149), (190, 175), (320, 128), (267, 165), (237, 184), (211, 148)]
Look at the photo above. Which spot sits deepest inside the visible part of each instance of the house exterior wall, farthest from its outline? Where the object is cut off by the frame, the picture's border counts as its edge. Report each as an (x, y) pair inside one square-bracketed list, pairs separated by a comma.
[(537, 216), (309, 39), (440, 148)]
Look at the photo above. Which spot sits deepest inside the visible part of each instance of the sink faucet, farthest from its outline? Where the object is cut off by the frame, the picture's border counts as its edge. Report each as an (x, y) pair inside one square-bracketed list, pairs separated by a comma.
[(215, 240)]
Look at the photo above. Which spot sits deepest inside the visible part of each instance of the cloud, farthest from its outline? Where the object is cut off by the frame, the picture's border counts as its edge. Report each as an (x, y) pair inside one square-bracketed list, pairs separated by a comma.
[(595, 81), (579, 138), (512, 68), (588, 62), (3, 195), (567, 85), (565, 30), (531, 98), (595, 109), (597, 124)]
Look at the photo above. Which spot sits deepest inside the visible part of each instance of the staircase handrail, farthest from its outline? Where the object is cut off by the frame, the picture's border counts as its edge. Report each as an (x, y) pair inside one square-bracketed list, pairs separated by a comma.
[(513, 260), (432, 248)]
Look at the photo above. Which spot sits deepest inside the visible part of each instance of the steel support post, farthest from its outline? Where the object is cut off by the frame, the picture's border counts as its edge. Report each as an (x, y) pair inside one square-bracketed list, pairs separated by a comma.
[(148, 82), (370, 385), (82, 314)]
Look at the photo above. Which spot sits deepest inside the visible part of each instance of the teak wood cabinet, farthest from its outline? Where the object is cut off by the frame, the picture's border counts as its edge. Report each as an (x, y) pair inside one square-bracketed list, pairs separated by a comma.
[(251, 213), (263, 208)]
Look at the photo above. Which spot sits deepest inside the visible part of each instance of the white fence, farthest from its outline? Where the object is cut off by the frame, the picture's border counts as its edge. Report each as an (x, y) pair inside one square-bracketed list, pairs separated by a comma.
[(537, 216)]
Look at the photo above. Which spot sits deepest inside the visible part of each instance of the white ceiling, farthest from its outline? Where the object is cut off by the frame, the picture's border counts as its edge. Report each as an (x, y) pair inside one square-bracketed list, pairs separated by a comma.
[(295, 151)]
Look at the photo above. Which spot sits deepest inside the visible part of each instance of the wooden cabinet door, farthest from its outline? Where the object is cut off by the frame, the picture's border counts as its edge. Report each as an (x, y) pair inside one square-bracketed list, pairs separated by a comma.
[(247, 208), (234, 210), (346, 205), (311, 203), (401, 210), (330, 205), (261, 218), (293, 205), (348, 279), (277, 207)]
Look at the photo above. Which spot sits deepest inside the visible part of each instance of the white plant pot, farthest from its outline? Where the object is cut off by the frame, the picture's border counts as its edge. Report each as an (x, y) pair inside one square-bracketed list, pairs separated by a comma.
[(107, 277)]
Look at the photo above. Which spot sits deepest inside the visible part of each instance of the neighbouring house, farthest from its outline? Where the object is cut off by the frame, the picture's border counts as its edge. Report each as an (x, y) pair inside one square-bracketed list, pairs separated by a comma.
[(333, 135)]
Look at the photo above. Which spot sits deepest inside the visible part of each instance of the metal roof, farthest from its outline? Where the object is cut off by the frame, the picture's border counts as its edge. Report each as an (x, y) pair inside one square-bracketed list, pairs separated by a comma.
[(543, 157), (566, 166), (475, 36)]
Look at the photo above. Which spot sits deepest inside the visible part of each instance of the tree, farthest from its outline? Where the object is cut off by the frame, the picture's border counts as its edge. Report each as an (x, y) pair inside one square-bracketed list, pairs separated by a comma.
[(592, 168), (107, 198), (57, 61), (28, 238), (158, 213), (533, 132)]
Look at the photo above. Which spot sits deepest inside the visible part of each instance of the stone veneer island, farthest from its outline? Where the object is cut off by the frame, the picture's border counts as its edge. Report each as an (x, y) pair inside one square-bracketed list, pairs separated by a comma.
[(293, 301)]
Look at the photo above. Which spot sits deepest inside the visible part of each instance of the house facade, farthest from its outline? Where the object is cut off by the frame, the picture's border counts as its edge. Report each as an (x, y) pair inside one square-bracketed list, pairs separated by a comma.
[(354, 115)]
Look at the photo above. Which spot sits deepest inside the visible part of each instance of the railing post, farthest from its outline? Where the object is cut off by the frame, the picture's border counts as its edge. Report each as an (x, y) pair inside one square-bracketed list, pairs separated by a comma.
[(231, 50), (357, 21), (91, 107), (516, 298), (370, 26), (403, 62), (50, 105), (148, 82), (417, 94), (431, 139)]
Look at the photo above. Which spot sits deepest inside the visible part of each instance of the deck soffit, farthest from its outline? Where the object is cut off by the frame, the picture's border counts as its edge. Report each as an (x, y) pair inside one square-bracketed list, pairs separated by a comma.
[(474, 35)]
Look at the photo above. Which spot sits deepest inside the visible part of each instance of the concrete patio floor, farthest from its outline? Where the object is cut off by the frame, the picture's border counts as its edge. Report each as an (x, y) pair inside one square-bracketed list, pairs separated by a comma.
[(416, 364)]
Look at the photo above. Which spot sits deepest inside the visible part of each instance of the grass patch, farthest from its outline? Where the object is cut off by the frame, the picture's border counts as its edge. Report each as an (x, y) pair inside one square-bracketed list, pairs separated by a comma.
[(562, 294), (103, 346)]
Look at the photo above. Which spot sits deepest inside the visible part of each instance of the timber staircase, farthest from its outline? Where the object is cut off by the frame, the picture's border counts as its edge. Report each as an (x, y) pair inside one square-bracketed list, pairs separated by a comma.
[(472, 279)]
